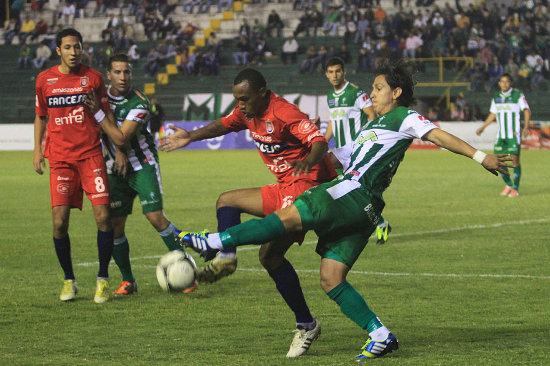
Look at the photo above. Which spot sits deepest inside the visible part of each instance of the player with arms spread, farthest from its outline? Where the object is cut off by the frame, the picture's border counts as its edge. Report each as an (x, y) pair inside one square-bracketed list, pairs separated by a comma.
[(294, 150), (506, 108), (344, 212), (73, 149), (132, 169), (350, 108)]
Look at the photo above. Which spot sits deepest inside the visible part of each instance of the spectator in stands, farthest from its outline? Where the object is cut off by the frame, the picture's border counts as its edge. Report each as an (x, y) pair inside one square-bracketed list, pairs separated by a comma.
[(27, 28), (379, 13), (258, 30), (152, 62), (224, 3), (15, 9), (107, 33), (307, 65), (150, 25), (67, 14), (24, 59), (316, 20), (538, 76), (476, 75), (260, 48), (244, 29), (274, 22), (412, 43), (40, 29), (190, 4), (495, 71), (213, 43), (211, 63), (43, 54), (243, 51), (187, 33), (350, 29), (87, 54), (512, 68), (362, 27), (11, 30), (290, 50), (184, 59), (318, 63), (343, 53), (303, 24), (331, 23)]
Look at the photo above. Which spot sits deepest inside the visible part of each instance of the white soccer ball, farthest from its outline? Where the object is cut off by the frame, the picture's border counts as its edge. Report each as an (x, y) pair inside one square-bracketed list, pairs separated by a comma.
[(176, 271)]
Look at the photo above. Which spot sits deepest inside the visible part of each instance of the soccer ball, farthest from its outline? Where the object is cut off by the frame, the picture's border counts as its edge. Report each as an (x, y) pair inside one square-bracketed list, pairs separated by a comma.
[(176, 271)]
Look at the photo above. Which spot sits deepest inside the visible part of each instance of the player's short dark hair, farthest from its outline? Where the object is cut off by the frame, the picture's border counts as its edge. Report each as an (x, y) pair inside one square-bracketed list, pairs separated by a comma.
[(399, 74), (119, 57), (67, 32), (255, 78), (333, 61), (508, 76)]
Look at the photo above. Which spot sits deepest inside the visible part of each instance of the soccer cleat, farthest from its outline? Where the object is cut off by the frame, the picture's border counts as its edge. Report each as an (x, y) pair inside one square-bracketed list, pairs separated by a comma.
[(303, 339), (506, 191), (198, 242), (513, 193), (382, 233), (68, 292), (126, 288), (375, 349), (217, 269), (102, 291)]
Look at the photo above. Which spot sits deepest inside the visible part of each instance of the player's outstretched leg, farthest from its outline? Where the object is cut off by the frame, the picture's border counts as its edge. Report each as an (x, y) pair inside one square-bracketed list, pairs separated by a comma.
[(198, 242), (382, 230)]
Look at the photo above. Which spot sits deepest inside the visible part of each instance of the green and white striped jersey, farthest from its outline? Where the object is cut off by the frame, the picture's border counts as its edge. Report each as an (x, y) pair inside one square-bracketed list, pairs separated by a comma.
[(381, 146), (346, 115), (508, 107), (134, 107)]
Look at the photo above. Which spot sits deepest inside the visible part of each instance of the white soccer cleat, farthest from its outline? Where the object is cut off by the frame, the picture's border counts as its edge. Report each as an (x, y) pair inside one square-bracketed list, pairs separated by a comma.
[(303, 339)]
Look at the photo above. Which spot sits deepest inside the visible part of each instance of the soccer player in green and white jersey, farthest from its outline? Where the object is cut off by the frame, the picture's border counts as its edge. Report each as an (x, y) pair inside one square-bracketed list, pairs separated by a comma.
[(344, 212), (133, 170), (506, 108), (350, 108)]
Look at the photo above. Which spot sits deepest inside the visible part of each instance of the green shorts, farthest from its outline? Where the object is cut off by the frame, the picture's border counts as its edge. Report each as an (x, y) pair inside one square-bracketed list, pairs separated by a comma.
[(507, 146), (144, 182), (343, 214)]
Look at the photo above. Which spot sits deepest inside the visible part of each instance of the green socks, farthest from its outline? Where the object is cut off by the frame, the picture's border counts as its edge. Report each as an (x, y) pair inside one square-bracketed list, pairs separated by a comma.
[(354, 306), (517, 176), (169, 238), (255, 231), (121, 255)]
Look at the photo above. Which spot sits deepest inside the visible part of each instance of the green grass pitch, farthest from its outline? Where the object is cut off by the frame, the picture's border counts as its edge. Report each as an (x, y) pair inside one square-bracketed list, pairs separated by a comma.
[(463, 280)]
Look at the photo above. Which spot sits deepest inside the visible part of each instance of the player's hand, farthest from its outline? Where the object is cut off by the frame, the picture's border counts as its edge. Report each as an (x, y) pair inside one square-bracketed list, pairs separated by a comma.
[(180, 138), (479, 131), (300, 167), (525, 132), (38, 162), (121, 164), (496, 163), (91, 101)]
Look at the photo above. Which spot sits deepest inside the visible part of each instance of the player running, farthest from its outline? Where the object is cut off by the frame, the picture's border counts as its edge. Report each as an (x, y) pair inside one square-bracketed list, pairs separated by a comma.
[(294, 150), (73, 149), (350, 108), (506, 107), (133, 170), (344, 212)]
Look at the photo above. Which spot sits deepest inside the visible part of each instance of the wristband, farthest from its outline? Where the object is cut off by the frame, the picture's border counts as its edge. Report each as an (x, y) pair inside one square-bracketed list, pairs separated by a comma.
[(479, 156), (99, 115)]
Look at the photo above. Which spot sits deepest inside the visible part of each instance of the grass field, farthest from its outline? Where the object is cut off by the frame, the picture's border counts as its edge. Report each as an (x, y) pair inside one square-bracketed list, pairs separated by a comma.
[(463, 280)]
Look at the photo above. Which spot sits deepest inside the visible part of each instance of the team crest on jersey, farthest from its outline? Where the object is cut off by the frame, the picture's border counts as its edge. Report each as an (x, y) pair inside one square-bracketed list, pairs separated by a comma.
[(84, 81), (269, 126), (52, 80)]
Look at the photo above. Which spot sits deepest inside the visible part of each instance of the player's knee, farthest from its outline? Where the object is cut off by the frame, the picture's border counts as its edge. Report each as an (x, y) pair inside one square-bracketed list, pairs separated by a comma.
[(60, 227), (328, 283), (224, 200), (270, 261), (103, 220)]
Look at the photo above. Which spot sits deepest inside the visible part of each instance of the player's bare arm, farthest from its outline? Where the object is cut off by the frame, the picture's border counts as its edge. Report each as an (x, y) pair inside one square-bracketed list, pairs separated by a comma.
[(527, 120), (318, 151), (490, 119), (329, 133), (181, 137), (493, 163), (38, 156)]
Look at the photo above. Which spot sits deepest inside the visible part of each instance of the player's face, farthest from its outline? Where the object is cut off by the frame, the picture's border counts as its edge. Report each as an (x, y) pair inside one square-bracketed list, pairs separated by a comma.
[(336, 75), (505, 84), (70, 52), (120, 77), (251, 102), (383, 98)]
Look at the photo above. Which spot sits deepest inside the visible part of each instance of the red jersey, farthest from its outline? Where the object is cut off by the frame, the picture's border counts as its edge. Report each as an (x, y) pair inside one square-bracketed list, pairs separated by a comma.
[(72, 131), (283, 134)]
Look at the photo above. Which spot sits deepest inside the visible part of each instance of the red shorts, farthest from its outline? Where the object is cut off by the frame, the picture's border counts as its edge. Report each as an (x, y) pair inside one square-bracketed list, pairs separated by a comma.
[(68, 179), (276, 196)]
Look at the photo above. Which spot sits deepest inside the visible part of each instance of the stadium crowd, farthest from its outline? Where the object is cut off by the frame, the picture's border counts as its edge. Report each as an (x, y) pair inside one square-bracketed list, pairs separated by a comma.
[(497, 37)]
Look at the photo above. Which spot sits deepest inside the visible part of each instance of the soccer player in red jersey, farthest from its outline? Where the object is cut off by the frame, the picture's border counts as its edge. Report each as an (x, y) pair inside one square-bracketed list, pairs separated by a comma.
[(294, 150), (74, 153)]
